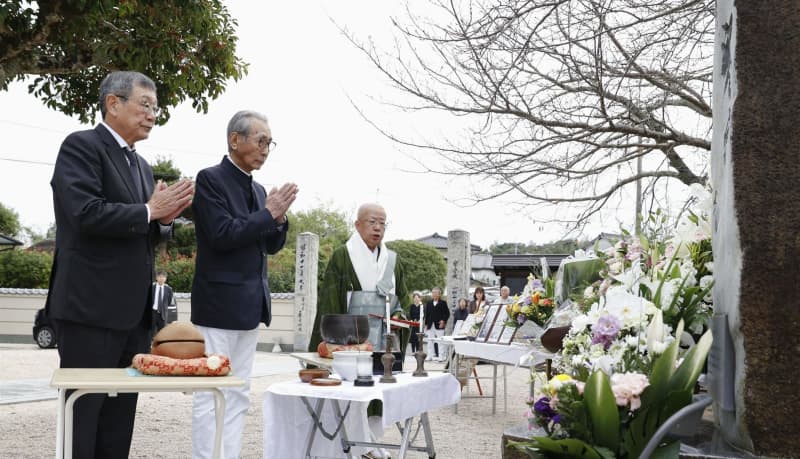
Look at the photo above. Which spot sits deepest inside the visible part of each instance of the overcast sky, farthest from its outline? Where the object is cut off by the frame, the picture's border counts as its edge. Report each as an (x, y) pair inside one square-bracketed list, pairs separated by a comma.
[(303, 75)]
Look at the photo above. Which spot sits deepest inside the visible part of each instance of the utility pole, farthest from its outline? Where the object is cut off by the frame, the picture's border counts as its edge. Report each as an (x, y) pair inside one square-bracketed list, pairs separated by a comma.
[(638, 215)]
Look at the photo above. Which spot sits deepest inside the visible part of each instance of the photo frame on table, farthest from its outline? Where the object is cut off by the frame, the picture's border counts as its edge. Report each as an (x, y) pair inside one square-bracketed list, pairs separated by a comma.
[(507, 336), (457, 327), (466, 327), (499, 326), (488, 322)]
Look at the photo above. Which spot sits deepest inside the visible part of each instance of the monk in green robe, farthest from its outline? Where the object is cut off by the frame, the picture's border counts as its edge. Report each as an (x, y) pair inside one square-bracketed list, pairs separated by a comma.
[(360, 265)]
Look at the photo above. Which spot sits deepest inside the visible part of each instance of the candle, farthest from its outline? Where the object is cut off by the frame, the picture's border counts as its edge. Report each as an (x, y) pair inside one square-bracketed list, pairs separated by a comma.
[(388, 315), (421, 317)]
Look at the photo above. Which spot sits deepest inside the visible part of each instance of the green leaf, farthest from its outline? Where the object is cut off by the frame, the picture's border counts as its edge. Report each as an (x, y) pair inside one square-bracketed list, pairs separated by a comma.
[(686, 375), (568, 447), (602, 408), (662, 370)]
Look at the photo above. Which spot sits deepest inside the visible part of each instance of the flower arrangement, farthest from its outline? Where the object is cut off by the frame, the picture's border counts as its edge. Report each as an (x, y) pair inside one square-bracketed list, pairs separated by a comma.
[(621, 373), (535, 303), (614, 416)]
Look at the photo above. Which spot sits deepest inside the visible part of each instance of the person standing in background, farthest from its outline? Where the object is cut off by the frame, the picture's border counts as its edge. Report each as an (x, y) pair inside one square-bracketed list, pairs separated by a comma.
[(414, 314), (436, 314), (163, 302), (478, 300)]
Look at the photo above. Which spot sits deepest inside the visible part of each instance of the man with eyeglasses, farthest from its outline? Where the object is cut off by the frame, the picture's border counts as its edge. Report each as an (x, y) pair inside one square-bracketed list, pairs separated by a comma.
[(237, 224), (363, 264), (109, 217)]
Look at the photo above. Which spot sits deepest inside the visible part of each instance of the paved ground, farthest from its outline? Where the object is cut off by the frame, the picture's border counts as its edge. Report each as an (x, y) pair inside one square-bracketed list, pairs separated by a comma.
[(163, 427)]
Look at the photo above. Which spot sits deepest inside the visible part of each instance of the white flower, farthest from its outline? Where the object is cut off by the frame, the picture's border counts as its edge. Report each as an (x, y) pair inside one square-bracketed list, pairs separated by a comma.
[(580, 323), (705, 281), (656, 334), (630, 309), (589, 291), (604, 363)]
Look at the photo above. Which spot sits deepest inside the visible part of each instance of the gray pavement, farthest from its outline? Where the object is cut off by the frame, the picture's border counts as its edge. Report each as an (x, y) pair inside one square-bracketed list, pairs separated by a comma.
[(163, 427)]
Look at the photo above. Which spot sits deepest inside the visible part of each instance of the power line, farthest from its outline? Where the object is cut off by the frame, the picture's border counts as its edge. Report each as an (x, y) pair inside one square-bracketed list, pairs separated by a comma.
[(13, 160)]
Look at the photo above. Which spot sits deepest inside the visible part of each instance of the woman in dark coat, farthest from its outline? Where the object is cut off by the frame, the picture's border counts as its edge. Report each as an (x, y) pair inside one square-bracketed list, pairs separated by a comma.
[(414, 314)]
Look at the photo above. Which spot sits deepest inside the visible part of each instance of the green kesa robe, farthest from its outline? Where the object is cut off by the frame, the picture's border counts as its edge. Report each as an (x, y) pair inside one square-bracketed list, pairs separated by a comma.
[(340, 278)]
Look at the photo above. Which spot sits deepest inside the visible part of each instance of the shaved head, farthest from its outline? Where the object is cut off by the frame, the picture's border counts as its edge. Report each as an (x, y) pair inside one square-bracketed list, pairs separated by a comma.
[(369, 208), (371, 224)]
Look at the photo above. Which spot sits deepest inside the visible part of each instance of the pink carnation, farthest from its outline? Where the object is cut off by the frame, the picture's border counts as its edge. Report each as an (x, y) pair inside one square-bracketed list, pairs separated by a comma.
[(627, 388)]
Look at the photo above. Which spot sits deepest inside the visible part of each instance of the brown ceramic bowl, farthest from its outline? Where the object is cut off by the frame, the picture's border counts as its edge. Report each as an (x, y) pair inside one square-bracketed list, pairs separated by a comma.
[(306, 375)]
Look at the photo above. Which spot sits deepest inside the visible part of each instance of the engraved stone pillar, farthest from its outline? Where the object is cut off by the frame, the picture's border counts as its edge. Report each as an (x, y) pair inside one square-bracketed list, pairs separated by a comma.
[(459, 267), (755, 166), (305, 288)]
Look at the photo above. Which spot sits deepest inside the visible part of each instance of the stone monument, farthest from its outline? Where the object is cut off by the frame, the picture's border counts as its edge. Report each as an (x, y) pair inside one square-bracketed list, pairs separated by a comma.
[(305, 288), (459, 267), (755, 165)]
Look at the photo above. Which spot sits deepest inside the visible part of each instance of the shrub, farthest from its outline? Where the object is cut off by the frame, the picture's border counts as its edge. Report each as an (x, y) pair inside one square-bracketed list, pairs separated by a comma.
[(25, 269)]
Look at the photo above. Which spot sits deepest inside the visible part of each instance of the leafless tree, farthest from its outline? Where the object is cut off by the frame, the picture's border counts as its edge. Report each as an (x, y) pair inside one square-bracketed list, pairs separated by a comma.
[(561, 98)]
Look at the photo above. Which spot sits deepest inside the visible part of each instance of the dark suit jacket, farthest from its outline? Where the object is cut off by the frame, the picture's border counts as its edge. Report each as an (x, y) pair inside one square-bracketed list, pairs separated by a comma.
[(167, 300), (103, 264), (234, 236), (433, 314)]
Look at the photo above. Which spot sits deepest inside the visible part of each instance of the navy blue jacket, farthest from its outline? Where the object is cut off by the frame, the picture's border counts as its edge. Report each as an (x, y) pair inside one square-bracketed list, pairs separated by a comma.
[(235, 233)]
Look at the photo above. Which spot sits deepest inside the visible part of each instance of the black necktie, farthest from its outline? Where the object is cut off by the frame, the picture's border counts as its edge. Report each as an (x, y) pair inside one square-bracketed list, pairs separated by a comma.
[(134, 167), (160, 296)]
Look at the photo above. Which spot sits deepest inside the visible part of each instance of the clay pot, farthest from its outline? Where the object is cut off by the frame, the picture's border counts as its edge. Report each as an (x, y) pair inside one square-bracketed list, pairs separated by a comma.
[(307, 374), (179, 340), (344, 328)]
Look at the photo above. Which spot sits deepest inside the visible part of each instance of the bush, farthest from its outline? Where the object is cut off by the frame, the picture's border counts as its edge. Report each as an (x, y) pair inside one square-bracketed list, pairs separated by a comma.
[(25, 269), (180, 271)]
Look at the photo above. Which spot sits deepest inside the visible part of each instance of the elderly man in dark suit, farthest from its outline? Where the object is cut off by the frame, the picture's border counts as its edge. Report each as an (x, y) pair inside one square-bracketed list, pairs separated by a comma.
[(109, 216), (238, 224)]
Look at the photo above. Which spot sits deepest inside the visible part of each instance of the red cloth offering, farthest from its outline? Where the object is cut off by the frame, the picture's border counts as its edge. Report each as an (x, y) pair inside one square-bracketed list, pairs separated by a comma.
[(159, 365)]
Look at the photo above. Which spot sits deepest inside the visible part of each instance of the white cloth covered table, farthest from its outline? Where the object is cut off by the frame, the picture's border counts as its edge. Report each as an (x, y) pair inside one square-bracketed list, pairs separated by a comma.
[(289, 427)]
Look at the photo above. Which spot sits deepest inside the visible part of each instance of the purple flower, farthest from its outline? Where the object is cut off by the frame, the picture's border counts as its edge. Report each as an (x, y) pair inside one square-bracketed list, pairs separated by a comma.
[(605, 330), (536, 283), (542, 408), (521, 318)]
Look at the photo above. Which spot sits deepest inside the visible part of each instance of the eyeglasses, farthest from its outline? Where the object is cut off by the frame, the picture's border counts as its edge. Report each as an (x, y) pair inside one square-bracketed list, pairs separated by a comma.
[(377, 223), (265, 142), (146, 105)]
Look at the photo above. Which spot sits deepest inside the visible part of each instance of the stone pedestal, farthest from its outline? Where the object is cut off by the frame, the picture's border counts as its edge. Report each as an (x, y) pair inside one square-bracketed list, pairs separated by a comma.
[(305, 288), (459, 267), (754, 168)]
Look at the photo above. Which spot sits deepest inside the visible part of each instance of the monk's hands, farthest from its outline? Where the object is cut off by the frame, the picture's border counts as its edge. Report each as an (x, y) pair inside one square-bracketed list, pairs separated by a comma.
[(168, 201), (280, 199)]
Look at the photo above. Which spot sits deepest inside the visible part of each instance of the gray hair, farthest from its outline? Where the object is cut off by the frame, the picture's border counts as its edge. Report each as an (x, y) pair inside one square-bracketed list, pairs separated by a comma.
[(240, 122), (122, 84)]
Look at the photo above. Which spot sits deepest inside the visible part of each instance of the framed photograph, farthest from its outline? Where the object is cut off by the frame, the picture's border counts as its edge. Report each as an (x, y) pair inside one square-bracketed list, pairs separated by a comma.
[(499, 326), (507, 336), (466, 327), (457, 327), (488, 322)]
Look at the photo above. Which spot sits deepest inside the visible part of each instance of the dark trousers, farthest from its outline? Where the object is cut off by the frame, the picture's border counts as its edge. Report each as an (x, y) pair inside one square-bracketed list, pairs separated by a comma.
[(103, 425), (158, 322), (414, 340)]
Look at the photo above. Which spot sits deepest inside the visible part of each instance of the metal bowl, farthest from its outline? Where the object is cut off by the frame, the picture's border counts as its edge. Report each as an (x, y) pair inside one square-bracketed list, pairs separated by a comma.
[(344, 328)]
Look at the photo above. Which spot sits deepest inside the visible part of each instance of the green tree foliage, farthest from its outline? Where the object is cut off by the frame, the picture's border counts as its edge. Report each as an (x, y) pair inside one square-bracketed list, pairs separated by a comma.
[(9, 221), (424, 266), (25, 269), (183, 242), (164, 169), (564, 246), (179, 269), (187, 46)]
